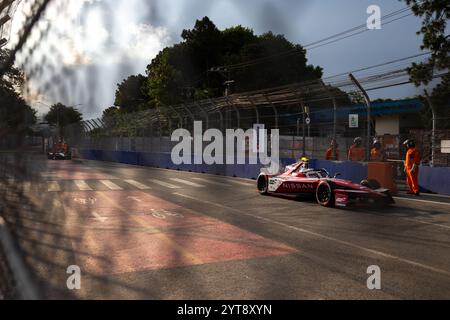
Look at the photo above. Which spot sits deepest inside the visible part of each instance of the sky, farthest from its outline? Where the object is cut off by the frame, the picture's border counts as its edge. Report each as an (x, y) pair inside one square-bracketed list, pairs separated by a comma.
[(83, 48)]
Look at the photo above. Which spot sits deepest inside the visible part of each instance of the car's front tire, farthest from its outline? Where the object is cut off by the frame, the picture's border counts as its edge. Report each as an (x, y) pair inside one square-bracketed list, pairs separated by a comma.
[(263, 184), (325, 194)]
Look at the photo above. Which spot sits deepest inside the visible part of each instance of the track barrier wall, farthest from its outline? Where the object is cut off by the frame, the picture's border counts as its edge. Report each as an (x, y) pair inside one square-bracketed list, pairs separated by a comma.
[(432, 179), (435, 179)]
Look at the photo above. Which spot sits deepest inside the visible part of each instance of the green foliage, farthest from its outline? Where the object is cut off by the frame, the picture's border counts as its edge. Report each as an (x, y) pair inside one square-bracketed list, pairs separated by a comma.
[(184, 72), (435, 15), (356, 97), (62, 116), (15, 115), (130, 94)]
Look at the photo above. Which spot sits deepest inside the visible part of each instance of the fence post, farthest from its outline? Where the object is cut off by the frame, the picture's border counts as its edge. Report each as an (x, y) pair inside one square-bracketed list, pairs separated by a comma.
[(275, 111), (433, 129), (367, 99), (230, 103)]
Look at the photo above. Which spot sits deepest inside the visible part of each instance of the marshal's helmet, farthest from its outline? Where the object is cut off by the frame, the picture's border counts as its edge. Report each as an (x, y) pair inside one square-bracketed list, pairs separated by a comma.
[(377, 144), (357, 141), (410, 143), (334, 143)]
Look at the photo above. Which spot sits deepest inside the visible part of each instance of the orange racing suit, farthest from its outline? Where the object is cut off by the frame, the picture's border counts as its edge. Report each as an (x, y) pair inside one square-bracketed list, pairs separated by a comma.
[(356, 153), (412, 163), (330, 154), (377, 155)]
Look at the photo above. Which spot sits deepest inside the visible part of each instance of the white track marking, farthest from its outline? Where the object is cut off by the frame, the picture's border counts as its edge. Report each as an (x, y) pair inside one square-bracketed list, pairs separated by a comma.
[(318, 235), (138, 185), (164, 184), (82, 185), (27, 186), (427, 223), (212, 182), (53, 186), (99, 217), (423, 201), (111, 185), (10, 178), (189, 183), (242, 183)]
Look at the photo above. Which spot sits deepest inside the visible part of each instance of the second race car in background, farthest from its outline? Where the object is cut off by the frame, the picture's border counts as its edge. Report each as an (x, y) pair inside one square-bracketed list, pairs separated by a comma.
[(298, 179), (59, 151)]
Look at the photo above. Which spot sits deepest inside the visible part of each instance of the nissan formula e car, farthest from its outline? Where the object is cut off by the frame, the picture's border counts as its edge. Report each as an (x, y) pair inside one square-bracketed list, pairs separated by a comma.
[(299, 180), (59, 156), (59, 151)]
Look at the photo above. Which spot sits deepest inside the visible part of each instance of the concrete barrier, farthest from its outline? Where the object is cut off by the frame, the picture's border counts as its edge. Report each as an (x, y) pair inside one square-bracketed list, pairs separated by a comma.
[(435, 179)]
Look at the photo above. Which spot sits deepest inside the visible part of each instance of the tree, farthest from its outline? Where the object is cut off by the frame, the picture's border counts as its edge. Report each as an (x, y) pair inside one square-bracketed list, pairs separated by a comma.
[(356, 97), (16, 117), (184, 72), (435, 15), (110, 113), (61, 116), (13, 78), (130, 94), (278, 69)]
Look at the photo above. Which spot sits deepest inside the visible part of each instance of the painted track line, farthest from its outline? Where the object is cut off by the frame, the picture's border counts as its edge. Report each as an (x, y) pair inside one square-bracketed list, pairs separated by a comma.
[(427, 223), (212, 182), (422, 201), (189, 183), (99, 217), (242, 183), (82, 185), (322, 236), (138, 185), (111, 185), (164, 184), (53, 186)]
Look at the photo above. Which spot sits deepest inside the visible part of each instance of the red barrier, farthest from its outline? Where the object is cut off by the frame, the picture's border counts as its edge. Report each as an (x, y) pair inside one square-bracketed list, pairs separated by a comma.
[(383, 172)]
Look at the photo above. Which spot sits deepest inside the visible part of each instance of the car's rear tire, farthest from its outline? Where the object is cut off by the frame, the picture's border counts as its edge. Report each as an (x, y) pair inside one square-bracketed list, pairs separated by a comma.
[(325, 194), (371, 183), (263, 184)]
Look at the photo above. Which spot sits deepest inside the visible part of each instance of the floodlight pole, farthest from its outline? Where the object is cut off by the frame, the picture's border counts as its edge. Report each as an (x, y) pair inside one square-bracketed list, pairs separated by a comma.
[(367, 99), (433, 129), (334, 119)]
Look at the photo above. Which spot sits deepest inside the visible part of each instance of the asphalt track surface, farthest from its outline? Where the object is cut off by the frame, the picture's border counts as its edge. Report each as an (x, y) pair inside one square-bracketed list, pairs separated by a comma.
[(146, 233)]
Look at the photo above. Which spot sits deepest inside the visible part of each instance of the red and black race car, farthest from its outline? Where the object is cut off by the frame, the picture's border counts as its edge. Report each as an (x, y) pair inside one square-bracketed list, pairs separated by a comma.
[(329, 191), (59, 151)]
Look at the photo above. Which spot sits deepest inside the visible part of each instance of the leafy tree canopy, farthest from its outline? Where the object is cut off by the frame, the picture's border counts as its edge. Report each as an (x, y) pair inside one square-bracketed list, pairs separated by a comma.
[(129, 94), (62, 116), (15, 115), (435, 15), (187, 70)]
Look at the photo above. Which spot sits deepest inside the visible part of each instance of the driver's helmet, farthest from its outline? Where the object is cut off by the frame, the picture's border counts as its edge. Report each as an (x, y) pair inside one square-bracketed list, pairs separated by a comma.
[(305, 164)]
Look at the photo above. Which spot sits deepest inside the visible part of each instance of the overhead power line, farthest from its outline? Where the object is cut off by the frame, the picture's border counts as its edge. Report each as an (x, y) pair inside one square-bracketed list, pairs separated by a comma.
[(317, 44)]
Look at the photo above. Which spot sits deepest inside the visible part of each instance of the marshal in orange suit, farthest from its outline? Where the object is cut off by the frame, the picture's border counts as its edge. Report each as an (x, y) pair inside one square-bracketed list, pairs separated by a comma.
[(412, 163)]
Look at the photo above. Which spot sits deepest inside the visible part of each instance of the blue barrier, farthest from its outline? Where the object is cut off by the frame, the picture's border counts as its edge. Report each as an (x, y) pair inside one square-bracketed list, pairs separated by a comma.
[(353, 171), (435, 179), (349, 170)]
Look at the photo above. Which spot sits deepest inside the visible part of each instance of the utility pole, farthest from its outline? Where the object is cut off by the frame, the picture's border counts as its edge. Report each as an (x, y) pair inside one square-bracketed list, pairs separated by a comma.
[(304, 129), (334, 119), (433, 129), (367, 99)]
